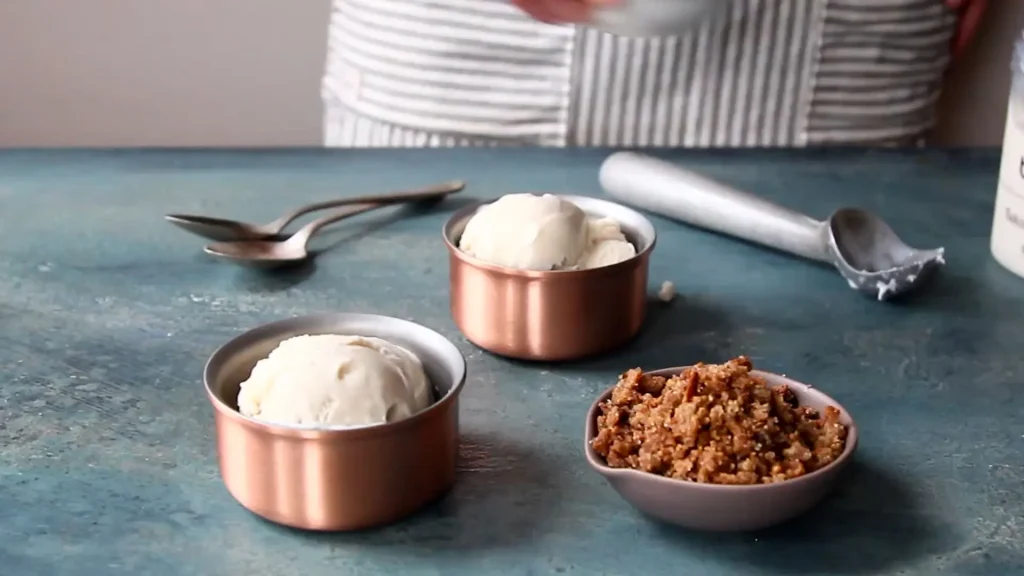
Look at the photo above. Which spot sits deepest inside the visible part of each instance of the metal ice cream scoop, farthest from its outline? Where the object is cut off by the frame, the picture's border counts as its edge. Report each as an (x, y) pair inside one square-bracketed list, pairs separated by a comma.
[(859, 244)]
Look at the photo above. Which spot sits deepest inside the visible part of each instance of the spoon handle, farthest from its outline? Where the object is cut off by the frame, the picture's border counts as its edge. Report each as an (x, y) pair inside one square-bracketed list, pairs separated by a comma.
[(303, 234), (669, 190), (420, 194)]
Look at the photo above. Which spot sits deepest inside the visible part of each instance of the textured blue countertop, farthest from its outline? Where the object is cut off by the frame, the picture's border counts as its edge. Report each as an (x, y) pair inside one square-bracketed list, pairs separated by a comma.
[(107, 315)]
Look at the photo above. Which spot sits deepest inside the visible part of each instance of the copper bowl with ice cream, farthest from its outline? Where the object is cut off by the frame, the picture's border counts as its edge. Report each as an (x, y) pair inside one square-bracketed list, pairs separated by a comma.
[(336, 421), (549, 278)]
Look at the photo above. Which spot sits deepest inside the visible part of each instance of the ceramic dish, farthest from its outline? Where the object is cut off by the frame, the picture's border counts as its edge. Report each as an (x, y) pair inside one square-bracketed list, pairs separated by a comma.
[(320, 478), (715, 507), (656, 17), (551, 315)]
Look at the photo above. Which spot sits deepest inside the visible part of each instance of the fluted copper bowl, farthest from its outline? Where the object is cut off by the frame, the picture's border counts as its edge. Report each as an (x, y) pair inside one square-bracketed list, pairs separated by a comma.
[(718, 507), (557, 314), (337, 478)]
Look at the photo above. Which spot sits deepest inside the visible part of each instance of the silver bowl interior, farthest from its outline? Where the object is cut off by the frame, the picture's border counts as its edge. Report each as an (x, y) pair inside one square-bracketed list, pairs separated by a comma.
[(635, 226), (232, 363)]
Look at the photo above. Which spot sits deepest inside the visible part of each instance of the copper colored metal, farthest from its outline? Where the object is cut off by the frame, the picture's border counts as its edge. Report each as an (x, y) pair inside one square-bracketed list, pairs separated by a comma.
[(551, 315), (337, 478)]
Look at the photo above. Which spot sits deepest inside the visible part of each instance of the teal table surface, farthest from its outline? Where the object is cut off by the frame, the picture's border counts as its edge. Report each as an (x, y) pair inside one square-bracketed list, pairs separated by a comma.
[(107, 315)]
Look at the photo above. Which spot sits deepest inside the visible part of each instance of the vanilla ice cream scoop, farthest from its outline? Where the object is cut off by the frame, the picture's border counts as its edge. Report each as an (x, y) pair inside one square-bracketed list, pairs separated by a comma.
[(606, 244), (527, 232), (335, 380), (530, 232)]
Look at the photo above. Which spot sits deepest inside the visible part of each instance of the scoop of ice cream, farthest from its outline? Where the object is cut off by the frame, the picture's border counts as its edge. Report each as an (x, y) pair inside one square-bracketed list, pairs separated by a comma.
[(606, 244), (527, 232), (530, 232), (335, 380)]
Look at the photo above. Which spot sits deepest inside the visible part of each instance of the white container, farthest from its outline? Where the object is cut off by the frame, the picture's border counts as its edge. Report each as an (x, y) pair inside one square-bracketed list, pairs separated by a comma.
[(656, 17), (1008, 223)]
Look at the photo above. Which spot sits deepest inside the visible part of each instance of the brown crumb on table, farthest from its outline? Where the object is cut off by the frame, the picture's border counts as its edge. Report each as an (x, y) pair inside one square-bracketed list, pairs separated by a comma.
[(716, 424)]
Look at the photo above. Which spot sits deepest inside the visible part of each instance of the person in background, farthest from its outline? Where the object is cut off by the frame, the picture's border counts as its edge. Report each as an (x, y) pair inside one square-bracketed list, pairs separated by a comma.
[(768, 73)]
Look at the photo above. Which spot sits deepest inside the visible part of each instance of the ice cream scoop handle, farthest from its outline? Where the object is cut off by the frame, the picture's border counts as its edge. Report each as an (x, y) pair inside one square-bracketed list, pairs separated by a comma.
[(669, 190)]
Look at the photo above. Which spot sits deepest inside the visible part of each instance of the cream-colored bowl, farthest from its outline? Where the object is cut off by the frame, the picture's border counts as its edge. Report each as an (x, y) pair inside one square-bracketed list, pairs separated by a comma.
[(656, 17), (718, 507)]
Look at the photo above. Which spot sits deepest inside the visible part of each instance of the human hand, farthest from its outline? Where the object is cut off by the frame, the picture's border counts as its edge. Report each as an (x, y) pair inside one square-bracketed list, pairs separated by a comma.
[(561, 11), (971, 12)]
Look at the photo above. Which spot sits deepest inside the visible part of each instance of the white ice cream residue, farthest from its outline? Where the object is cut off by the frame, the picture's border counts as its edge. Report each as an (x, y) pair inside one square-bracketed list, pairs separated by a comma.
[(885, 288), (667, 293)]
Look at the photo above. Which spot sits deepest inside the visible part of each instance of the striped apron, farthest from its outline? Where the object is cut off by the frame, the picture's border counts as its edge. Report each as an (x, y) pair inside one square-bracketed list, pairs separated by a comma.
[(440, 73)]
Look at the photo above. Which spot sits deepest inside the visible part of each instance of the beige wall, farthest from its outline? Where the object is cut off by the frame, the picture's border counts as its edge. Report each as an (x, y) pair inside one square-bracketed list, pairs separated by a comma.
[(246, 73), (161, 72)]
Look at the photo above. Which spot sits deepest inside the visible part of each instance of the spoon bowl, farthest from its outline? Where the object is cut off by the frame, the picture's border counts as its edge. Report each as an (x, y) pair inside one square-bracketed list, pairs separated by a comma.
[(260, 253), (221, 229), (275, 254), (873, 259), (279, 253)]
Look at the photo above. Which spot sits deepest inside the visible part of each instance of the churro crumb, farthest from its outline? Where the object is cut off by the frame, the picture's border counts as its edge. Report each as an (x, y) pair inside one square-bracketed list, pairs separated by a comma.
[(716, 424)]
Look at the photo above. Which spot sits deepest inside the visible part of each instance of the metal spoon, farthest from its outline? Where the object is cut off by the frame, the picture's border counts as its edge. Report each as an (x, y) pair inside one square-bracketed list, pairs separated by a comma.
[(275, 253), (859, 244), (222, 230)]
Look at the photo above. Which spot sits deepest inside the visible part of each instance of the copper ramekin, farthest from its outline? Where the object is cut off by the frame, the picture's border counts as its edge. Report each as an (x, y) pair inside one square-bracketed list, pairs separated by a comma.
[(337, 478), (557, 314)]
